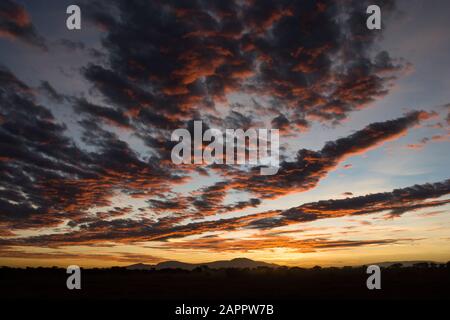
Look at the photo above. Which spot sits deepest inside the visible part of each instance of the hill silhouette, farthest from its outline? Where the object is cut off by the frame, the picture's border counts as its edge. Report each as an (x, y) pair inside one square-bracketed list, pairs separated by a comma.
[(234, 263), (407, 263), (420, 281)]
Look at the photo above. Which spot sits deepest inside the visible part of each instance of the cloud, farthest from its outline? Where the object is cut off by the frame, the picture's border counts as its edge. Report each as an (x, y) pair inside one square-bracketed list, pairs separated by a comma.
[(59, 255), (192, 56), (107, 114), (394, 203), (47, 89), (15, 23), (310, 166), (165, 65), (47, 178), (218, 244)]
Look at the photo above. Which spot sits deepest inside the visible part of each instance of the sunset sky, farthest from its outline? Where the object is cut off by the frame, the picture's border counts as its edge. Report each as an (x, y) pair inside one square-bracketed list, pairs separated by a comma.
[(86, 117)]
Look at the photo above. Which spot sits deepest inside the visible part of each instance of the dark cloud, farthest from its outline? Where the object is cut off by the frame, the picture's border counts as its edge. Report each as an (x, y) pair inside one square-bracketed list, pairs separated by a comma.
[(312, 65), (393, 203), (33, 150), (46, 178), (59, 255), (107, 114), (273, 242), (166, 64), (15, 23), (310, 167), (280, 122), (304, 172), (47, 89)]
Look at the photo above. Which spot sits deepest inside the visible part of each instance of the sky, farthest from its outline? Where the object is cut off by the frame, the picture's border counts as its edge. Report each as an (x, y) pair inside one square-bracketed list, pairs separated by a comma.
[(86, 118)]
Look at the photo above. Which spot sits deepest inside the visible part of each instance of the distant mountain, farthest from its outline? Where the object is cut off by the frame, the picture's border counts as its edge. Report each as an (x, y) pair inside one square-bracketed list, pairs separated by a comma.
[(242, 263), (239, 263), (234, 263), (403, 263), (140, 266), (175, 265)]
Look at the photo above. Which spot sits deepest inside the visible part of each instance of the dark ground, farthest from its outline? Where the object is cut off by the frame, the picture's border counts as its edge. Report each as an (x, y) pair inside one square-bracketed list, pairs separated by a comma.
[(282, 284)]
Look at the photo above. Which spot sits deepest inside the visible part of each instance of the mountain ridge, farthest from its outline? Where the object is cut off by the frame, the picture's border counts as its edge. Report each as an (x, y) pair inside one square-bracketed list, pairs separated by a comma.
[(242, 263), (233, 263), (406, 263)]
